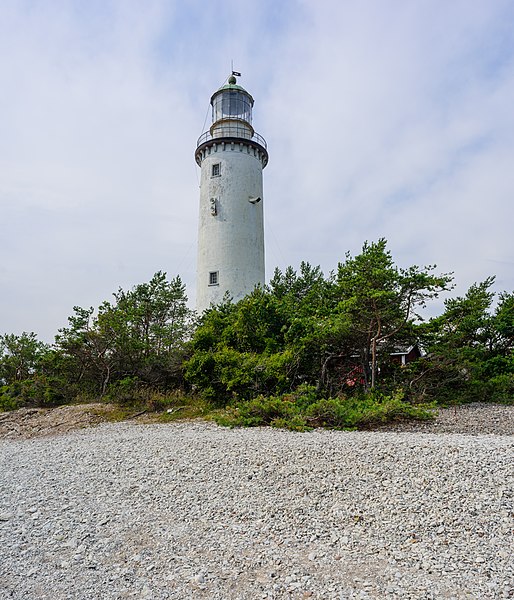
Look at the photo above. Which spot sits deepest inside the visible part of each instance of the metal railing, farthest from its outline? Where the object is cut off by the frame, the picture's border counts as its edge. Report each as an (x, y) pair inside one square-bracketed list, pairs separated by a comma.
[(232, 132)]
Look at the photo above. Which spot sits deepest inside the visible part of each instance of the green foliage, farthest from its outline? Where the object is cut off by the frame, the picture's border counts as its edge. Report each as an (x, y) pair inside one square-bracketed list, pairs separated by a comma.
[(10, 397), (307, 329), (305, 412), (259, 412), (363, 412), (129, 390), (138, 396), (268, 343), (20, 356), (40, 391), (228, 374), (470, 349), (142, 334), (23, 362), (306, 350), (381, 300), (502, 388)]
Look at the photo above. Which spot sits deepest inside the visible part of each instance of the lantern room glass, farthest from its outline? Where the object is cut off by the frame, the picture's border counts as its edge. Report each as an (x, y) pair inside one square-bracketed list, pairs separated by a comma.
[(232, 104)]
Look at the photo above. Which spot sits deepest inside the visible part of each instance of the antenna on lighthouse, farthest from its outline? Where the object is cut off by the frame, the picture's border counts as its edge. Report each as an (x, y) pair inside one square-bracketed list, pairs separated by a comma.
[(234, 73)]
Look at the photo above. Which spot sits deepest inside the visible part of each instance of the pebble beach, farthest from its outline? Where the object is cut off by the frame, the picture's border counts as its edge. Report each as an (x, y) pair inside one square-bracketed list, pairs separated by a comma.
[(192, 510)]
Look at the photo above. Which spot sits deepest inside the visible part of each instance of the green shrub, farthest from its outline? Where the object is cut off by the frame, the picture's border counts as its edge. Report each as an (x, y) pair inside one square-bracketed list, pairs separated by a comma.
[(40, 391), (129, 390), (301, 410), (502, 388), (378, 409), (331, 412), (9, 400), (259, 412), (225, 374), (363, 412), (295, 423), (304, 396)]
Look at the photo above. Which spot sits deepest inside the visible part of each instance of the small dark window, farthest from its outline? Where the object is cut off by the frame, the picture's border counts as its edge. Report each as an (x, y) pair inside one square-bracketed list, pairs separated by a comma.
[(213, 278), (216, 170)]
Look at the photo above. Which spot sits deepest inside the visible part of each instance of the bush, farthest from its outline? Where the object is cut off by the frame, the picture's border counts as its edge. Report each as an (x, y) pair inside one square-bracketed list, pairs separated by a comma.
[(226, 374), (502, 388), (126, 391), (301, 410), (332, 413), (304, 396), (364, 412), (275, 411), (131, 392), (40, 391), (9, 399)]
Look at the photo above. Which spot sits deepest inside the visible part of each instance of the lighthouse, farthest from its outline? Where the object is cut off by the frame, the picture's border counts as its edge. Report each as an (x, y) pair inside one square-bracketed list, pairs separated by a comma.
[(231, 156)]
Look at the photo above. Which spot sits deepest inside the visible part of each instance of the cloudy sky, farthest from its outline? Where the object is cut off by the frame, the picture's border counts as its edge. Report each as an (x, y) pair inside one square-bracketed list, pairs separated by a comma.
[(384, 118)]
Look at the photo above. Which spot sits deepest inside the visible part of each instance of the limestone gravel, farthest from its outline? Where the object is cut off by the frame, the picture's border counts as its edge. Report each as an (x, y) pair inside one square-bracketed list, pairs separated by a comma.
[(472, 419), (190, 510)]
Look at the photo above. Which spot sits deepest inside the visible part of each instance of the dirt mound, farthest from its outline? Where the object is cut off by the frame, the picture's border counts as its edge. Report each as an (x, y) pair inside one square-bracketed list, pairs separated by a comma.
[(37, 422)]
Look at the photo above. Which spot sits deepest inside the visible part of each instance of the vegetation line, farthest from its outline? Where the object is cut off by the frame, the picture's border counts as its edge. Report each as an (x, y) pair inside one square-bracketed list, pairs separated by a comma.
[(347, 350)]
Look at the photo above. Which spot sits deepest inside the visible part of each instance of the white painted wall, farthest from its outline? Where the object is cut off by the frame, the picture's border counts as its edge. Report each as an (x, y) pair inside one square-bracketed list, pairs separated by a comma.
[(232, 241)]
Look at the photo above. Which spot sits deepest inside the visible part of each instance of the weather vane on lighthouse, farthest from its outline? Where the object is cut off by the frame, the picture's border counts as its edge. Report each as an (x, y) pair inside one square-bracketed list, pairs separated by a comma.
[(231, 156)]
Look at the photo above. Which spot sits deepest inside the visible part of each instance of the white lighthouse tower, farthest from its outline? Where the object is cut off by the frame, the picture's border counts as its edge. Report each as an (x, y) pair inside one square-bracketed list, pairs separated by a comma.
[(231, 230)]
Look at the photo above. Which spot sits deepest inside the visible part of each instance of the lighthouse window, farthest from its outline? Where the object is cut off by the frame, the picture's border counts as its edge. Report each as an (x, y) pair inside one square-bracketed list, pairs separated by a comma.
[(216, 170), (213, 278)]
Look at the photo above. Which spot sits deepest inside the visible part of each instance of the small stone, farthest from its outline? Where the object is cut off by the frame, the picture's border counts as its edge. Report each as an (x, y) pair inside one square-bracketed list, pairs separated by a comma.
[(312, 556), (199, 578), (6, 516)]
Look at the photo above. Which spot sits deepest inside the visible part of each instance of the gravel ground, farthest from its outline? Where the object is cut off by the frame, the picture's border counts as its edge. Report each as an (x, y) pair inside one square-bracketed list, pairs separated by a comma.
[(190, 510), (472, 419)]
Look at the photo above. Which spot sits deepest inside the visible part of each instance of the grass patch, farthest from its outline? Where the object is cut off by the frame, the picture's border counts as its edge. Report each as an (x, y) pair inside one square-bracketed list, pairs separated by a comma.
[(190, 407), (153, 405)]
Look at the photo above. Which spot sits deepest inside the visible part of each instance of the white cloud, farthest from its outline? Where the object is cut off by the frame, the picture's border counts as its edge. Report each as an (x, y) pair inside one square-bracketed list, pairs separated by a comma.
[(383, 119)]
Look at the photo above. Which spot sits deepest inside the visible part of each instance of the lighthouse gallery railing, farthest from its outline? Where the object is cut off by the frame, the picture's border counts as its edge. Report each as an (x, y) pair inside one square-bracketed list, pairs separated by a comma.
[(232, 132)]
